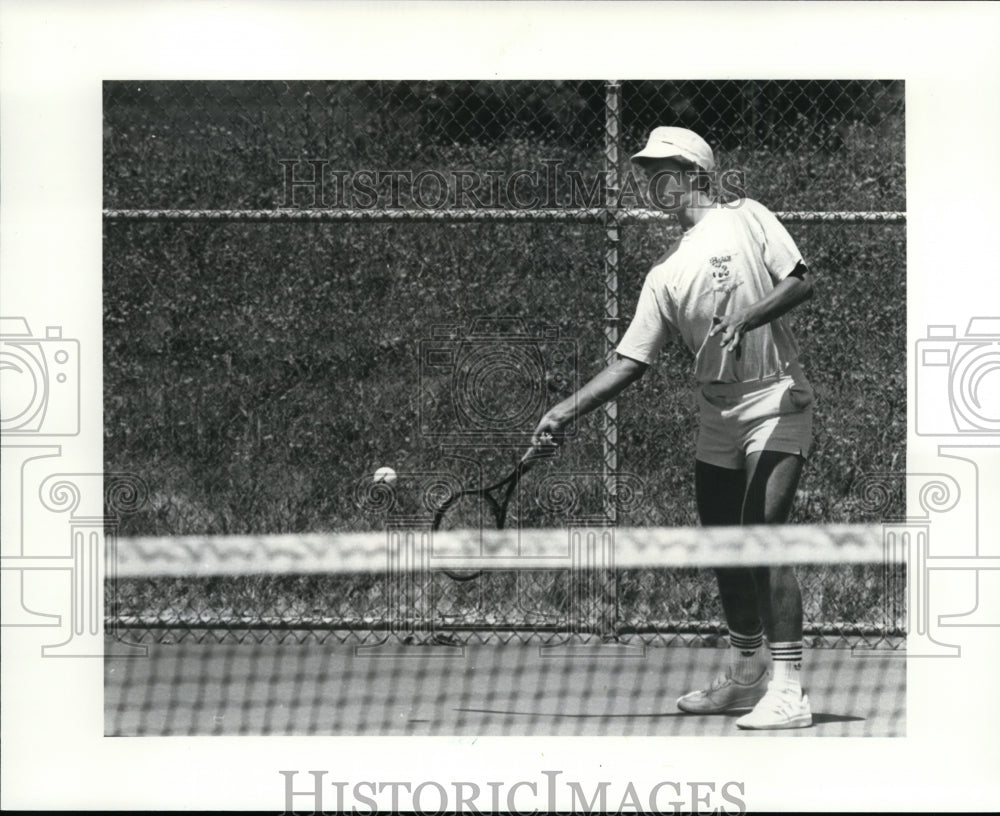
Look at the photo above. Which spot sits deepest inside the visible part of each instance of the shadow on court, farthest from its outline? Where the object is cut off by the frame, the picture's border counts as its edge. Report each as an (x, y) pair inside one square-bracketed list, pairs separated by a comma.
[(818, 718)]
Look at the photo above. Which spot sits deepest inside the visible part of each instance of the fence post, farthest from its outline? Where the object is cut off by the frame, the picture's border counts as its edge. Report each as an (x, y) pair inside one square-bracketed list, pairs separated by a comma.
[(609, 429)]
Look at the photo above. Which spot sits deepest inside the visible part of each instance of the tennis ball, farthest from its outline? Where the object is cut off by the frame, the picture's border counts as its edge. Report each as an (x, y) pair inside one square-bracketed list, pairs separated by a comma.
[(385, 475)]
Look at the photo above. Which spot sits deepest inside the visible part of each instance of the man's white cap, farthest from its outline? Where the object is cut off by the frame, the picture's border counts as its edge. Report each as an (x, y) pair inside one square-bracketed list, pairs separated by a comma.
[(677, 143)]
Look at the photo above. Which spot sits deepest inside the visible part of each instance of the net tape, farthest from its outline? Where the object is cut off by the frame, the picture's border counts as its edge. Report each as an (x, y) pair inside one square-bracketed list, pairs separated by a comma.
[(531, 584), (626, 548)]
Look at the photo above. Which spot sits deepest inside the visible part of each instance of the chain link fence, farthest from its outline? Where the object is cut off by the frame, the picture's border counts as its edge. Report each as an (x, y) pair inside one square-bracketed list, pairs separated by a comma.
[(307, 280)]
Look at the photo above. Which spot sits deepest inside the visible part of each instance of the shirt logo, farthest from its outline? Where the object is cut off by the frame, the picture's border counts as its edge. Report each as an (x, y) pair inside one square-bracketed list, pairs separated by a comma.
[(723, 278)]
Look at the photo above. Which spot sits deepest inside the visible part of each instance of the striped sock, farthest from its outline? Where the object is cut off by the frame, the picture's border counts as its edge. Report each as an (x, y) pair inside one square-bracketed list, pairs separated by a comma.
[(787, 664), (747, 656)]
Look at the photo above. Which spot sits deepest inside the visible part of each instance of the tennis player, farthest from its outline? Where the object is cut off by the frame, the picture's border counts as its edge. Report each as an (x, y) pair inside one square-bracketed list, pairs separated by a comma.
[(722, 290)]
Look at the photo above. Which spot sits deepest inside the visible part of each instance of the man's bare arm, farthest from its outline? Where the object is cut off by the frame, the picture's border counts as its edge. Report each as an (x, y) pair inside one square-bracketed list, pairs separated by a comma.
[(604, 386)]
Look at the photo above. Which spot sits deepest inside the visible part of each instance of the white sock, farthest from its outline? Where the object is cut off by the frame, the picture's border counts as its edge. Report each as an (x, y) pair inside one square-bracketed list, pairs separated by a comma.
[(787, 664), (747, 658)]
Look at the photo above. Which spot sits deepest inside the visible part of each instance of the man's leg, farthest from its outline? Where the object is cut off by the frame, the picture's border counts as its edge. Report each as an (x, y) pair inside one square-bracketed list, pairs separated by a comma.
[(720, 494), (720, 497), (772, 478)]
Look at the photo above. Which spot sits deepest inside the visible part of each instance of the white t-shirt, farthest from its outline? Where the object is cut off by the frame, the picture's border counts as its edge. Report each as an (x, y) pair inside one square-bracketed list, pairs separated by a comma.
[(729, 260)]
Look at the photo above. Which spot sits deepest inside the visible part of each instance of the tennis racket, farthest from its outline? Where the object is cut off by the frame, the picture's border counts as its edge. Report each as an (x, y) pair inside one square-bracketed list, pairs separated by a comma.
[(471, 508)]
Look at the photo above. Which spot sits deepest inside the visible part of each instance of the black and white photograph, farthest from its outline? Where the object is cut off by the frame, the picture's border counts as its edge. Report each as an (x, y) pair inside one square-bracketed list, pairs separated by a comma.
[(338, 314), (376, 416)]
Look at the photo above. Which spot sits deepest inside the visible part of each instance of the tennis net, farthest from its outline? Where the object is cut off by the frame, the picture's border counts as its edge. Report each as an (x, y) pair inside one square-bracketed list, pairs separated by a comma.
[(576, 630)]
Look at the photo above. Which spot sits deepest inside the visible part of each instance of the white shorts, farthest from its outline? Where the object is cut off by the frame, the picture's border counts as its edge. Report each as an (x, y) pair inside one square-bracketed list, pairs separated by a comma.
[(737, 419)]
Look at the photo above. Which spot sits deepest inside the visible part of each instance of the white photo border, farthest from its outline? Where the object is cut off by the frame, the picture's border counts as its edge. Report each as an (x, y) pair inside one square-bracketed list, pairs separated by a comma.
[(54, 59)]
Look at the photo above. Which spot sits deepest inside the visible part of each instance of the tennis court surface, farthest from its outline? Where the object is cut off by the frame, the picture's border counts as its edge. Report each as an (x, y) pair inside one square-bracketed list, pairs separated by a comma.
[(580, 632)]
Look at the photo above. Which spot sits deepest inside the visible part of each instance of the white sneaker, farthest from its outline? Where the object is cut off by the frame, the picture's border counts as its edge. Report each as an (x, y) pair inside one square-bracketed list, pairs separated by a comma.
[(724, 694), (781, 707)]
